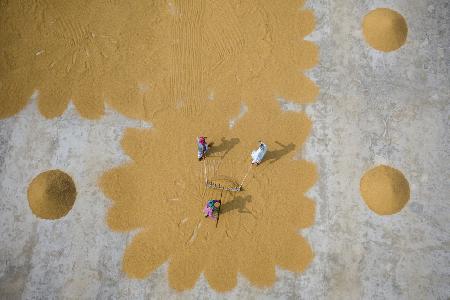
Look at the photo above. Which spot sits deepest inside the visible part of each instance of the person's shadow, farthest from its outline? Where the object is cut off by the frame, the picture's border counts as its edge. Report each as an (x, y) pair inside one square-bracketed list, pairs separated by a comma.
[(275, 155), (237, 203), (224, 147)]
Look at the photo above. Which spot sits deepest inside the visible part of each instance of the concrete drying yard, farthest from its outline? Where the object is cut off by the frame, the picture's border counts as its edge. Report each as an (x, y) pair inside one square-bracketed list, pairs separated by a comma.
[(374, 107)]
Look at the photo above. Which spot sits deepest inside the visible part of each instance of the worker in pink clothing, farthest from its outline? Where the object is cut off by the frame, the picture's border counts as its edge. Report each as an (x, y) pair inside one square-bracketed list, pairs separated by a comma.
[(212, 208), (202, 147)]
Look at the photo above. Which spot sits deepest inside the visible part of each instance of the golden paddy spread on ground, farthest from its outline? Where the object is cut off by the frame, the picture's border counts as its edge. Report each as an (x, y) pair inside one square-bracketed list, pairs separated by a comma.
[(162, 194), (143, 56), (188, 67)]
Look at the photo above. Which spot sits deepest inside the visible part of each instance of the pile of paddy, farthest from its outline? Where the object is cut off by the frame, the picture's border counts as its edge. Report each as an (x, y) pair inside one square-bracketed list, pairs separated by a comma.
[(385, 29), (51, 194), (385, 190)]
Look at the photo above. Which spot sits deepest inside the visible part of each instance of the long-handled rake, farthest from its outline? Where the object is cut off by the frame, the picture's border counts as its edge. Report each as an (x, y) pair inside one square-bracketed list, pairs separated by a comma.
[(218, 211)]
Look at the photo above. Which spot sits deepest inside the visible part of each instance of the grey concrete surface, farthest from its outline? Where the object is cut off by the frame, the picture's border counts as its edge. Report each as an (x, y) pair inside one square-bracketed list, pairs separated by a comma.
[(374, 107)]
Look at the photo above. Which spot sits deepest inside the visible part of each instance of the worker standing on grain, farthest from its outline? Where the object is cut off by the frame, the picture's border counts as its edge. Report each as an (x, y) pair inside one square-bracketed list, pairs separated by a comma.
[(258, 154), (212, 208), (202, 147)]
